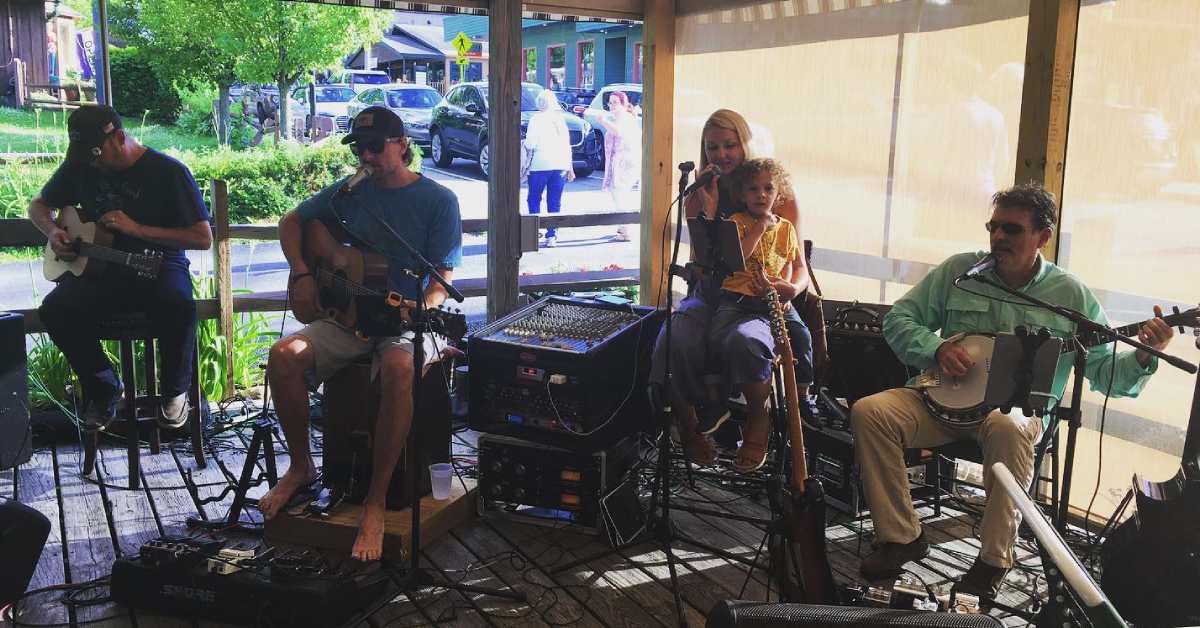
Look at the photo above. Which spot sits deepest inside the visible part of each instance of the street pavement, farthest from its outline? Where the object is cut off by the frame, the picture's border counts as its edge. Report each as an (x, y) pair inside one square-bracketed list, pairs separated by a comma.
[(260, 266)]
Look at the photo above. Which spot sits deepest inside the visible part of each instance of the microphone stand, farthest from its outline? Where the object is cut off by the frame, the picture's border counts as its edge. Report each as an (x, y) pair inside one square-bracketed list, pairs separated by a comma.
[(664, 532), (418, 577), (1074, 413)]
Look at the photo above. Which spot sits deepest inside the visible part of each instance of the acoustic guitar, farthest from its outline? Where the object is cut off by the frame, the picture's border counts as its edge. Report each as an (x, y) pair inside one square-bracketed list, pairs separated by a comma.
[(92, 244), (351, 288), (798, 558)]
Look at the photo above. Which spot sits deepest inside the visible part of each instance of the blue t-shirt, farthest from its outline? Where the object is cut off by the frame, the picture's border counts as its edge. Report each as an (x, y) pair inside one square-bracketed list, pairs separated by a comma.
[(156, 191), (423, 212)]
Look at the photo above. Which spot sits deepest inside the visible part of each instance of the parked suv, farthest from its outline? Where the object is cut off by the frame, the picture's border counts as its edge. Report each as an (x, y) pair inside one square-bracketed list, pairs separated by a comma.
[(459, 128)]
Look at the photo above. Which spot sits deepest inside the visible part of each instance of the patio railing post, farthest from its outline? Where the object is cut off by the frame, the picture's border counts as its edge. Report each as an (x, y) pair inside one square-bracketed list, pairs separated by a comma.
[(223, 273)]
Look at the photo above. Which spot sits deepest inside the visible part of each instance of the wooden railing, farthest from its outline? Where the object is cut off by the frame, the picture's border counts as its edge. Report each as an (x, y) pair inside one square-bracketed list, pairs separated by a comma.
[(20, 232)]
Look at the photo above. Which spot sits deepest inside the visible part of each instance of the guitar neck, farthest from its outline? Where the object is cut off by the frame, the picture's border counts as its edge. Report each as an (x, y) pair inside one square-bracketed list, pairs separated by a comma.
[(103, 253), (799, 471)]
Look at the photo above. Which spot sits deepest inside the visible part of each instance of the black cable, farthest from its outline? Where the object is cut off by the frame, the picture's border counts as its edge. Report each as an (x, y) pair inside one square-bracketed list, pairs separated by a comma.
[(1112, 376)]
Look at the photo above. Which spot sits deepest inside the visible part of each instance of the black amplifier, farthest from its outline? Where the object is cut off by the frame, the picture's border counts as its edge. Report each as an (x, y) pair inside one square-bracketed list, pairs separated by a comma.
[(565, 372), (184, 577), (860, 361), (557, 485), (830, 454)]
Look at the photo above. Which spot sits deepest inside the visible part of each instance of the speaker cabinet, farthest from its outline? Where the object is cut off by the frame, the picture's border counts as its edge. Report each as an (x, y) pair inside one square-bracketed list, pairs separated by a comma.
[(16, 443)]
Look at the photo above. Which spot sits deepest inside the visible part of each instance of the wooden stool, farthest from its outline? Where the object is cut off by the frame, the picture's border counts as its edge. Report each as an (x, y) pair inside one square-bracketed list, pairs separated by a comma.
[(351, 406), (138, 409)]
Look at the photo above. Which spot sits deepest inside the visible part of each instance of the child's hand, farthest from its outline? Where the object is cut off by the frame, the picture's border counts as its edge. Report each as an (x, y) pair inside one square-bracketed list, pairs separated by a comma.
[(786, 291), (762, 285)]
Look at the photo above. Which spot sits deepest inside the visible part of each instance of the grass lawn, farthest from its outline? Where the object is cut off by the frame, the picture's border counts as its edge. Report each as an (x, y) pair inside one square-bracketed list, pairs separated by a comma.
[(46, 132)]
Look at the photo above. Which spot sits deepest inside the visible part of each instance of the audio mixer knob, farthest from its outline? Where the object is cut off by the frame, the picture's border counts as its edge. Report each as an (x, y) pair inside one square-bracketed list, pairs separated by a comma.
[(519, 469), (518, 493), (497, 465), (497, 489)]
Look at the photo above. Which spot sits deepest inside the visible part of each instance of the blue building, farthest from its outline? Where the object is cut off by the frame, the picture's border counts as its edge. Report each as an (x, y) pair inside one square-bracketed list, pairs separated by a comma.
[(568, 55)]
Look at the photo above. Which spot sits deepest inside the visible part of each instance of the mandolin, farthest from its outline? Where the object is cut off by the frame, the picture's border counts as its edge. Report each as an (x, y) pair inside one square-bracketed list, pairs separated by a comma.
[(92, 244), (351, 288), (798, 558)]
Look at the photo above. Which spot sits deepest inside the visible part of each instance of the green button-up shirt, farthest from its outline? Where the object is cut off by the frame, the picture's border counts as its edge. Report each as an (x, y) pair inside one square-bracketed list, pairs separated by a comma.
[(936, 305)]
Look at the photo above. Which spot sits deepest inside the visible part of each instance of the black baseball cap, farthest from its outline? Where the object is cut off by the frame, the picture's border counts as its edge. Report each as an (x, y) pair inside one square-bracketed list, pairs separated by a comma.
[(88, 127), (375, 123)]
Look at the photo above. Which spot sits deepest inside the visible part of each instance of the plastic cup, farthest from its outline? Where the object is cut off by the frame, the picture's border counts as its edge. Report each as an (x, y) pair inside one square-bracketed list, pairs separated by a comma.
[(440, 475)]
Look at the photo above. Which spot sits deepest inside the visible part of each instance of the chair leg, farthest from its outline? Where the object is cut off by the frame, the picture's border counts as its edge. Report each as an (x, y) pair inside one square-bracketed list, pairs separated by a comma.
[(937, 483), (91, 441), (152, 394), (197, 417), (130, 411)]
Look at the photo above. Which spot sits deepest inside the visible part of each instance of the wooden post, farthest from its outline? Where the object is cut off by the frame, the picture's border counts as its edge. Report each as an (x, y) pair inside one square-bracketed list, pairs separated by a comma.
[(504, 176), (658, 122), (224, 274), (1046, 99), (21, 93)]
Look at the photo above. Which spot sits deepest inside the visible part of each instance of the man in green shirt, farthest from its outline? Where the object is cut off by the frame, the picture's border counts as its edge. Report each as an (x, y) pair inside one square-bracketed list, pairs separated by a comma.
[(917, 329)]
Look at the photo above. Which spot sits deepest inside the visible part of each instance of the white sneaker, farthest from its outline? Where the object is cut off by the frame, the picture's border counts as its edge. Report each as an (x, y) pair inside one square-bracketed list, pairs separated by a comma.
[(551, 242), (174, 412)]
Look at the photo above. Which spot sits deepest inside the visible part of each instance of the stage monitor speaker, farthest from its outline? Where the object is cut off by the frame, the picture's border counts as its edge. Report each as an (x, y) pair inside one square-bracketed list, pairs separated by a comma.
[(744, 614), (16, 443)]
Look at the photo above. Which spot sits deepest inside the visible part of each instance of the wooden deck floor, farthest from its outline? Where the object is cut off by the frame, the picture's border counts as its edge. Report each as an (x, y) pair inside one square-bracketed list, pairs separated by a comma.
[(96, 519)]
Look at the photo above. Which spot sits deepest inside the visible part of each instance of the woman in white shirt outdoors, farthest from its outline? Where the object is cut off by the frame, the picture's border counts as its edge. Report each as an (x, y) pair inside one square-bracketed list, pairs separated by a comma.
[(550, 168), (622, 155)]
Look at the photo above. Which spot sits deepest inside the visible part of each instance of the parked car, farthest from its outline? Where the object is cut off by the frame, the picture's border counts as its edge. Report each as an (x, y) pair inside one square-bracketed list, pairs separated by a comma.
[(413, 103), (575, 99), (331, 100), (460, 125), (359, 80), (599, 106)]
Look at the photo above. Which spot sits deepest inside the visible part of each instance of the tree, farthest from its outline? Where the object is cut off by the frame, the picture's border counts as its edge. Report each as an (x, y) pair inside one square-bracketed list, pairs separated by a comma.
[(279, 42), (179, 35)]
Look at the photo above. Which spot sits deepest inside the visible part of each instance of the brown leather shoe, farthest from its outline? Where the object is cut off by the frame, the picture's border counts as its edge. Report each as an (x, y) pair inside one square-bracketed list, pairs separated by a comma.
[(887, 559), (982, 580)]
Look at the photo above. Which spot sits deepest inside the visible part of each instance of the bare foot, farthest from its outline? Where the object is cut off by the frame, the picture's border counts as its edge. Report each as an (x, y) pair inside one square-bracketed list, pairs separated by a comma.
[(368, 545), (296, 477)]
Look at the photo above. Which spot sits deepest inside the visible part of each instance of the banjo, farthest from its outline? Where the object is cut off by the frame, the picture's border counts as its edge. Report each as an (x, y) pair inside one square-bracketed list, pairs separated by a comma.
[(959, 401)]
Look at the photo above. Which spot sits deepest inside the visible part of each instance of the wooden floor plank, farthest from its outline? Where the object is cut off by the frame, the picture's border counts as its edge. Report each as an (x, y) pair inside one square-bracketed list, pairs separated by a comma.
[(37, 488), (554, 604), (90, 549), (451, 559), (596, 579)]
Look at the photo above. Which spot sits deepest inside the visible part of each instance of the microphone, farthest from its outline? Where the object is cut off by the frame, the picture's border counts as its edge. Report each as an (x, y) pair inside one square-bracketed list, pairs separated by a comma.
[(348, 187), (702, 180), (985, 264)]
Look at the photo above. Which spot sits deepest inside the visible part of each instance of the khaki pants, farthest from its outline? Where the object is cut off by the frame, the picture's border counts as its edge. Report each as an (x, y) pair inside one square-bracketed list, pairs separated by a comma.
[(887, 423)]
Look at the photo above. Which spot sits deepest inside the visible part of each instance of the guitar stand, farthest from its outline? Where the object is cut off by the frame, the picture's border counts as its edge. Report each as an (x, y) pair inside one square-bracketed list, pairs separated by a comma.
[(262, 439)]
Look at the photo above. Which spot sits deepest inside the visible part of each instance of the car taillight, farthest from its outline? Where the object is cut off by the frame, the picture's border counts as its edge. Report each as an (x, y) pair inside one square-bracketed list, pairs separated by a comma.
[(578, 110)]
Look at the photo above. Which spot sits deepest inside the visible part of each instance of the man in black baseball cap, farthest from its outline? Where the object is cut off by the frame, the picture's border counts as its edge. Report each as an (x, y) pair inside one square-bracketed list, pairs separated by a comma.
[(385, 202), (147, 201), (90, 127), (375, 126)]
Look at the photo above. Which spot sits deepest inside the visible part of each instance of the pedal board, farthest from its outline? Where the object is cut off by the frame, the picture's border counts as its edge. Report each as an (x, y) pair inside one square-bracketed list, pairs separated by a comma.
[(241, 585)]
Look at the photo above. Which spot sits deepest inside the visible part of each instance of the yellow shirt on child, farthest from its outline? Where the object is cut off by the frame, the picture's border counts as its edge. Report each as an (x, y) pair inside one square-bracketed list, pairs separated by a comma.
[(778, 246)]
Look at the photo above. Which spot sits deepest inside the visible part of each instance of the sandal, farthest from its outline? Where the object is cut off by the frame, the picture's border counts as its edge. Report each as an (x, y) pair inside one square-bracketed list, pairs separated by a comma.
[(753, 450), (700, 449)]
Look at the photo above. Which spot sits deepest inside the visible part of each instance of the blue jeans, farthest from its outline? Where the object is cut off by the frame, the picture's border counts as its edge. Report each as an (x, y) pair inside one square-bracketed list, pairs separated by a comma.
[(553, 182)]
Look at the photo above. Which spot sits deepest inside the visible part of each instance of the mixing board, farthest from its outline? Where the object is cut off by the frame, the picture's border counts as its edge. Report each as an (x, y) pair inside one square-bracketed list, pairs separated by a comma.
[(565, 372), (553, 324)]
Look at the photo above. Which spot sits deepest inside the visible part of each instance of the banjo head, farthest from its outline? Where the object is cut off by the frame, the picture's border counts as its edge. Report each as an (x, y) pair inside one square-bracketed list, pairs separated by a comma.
[(960, 400)]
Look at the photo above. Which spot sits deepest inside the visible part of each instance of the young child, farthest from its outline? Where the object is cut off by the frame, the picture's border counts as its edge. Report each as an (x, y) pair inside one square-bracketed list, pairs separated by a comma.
[(741, 330)]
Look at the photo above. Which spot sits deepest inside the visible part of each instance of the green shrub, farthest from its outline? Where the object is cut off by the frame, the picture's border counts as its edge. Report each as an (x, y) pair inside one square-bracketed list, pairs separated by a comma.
[(51, 380), (138, 90), (196, 112)]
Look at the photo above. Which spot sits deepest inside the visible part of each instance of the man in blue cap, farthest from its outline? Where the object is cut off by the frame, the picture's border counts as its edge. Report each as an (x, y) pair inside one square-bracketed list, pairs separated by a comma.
[(425, 214)]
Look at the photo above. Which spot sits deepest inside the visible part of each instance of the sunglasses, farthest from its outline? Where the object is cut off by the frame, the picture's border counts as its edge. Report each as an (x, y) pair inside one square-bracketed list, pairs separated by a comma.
[(1009, 228), (373, 144)]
